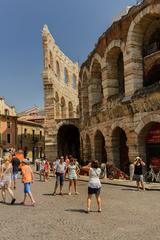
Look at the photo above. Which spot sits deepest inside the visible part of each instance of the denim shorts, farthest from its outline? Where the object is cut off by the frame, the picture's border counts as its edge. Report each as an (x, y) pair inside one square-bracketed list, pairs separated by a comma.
[(138, 178), (15, 175), (60, 178), (27, 187)]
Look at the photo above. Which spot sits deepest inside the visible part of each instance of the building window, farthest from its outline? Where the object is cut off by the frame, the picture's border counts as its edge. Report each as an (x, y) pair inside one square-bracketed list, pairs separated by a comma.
[(40, 135), (8, 138), (25, 132), (33, 134), (57, 69), (8, 124), (6, 112), (65, 76), (74, 82)]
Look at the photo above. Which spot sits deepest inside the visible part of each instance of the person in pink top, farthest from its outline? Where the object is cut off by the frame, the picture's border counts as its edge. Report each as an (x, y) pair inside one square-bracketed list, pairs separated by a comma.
[(46, 170)]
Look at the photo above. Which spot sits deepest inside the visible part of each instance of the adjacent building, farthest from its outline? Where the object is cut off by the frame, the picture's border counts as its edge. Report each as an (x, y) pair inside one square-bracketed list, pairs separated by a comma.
[(30, 132), (61, 104), (8, 126), (119, 90)]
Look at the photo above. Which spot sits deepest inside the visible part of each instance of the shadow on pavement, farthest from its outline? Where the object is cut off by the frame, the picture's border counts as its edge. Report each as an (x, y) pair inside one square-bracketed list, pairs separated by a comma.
[(129, 189), (75, 210)]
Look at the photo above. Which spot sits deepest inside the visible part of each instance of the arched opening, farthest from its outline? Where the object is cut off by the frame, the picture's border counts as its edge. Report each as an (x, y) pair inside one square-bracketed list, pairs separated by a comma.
[(50, 60), (120, 150), (66, 78), (120, 73), (115, 72), (140, 45), (68, 139), (88, 149), (151, 42), (57, 105), (63, 108), (85, 99), (70, 108), (95, 86), (149, 144), (153, 76), (57, 68), (74, 81), (100, 148)]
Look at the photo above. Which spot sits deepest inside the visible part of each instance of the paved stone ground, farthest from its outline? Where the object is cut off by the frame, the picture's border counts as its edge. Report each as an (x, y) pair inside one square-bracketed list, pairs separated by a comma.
[(127, 214)]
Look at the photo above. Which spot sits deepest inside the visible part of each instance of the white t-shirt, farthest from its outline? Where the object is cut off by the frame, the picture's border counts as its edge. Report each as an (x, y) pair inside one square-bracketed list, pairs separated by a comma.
[(60, 167), (94, 181)]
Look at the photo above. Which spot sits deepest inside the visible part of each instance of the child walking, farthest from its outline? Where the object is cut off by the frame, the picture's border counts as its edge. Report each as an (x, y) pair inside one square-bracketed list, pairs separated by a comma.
[(27, 179)]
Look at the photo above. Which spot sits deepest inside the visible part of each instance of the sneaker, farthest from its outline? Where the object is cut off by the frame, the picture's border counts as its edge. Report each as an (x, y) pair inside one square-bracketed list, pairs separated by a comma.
[(69, 193), (77, 193), (99, 210), (87, 211), (13, 201)]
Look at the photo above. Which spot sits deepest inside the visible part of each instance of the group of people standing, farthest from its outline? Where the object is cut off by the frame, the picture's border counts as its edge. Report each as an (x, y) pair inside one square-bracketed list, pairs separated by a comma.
[(9, 169), (70, 166), (61, 168)]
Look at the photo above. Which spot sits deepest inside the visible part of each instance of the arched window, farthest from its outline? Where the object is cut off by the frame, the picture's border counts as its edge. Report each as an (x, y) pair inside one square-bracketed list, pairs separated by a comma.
[(50, 60), (57, 68), (115, 72), (153, 76), (95, 87), (70, 108), (63, 108), (120, 73), (74, 81), (65, 76), (6, 112)]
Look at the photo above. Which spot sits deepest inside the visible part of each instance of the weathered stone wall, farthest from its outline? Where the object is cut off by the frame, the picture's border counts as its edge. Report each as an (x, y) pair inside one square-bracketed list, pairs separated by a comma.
[(136, 108), (60, 79)]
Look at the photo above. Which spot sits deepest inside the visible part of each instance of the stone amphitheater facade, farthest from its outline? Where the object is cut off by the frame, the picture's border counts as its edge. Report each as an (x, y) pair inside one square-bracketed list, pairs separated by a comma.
[(119, 90), (61, 103)]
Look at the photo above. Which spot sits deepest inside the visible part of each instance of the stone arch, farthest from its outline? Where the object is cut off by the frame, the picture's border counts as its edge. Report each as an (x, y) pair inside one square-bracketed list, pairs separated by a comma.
[(97, 58), (88, 153), (153, 74), (57, 105), (95, 88), (146, 120), (114, 83), (134, 46), (100, 148), (63, 108), (70, 110), (115, 43), (68, 139), (120, 149), (141, 131)]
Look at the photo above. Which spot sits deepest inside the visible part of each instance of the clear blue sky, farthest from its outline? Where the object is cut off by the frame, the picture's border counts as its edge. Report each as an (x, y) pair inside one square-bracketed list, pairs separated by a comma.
[(76, 26)]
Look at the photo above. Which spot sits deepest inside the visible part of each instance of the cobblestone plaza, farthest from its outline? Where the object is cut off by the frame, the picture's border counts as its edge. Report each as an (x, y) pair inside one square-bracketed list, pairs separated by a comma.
[(126, 214)]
